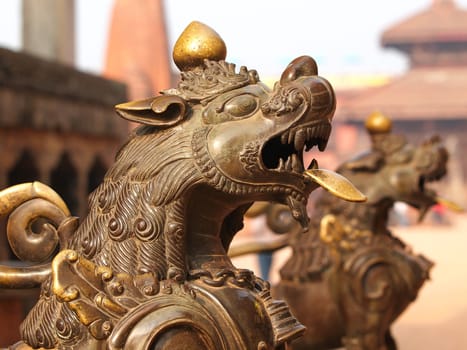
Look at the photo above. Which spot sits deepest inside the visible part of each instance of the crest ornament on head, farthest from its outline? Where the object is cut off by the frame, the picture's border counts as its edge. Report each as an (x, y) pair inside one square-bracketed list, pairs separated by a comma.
[(200, 54), (378, 123), (197, 43)]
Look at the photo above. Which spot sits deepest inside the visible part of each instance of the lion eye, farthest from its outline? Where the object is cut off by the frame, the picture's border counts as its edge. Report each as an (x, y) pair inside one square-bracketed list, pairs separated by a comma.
[(241, 106)]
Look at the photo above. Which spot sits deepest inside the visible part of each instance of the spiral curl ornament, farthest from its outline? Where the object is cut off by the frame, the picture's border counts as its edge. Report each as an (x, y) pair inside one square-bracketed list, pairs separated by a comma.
[(151, 225), (117, 229), (285, 100), (64, 329), (35, 213), (25, 242)]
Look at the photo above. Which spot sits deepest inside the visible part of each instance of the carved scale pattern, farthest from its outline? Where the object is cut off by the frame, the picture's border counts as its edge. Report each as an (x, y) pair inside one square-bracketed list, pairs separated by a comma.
[(127, 211)]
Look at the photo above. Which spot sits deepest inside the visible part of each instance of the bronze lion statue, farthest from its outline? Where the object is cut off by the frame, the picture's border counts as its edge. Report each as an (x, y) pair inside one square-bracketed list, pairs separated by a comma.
[(147, 267), (349, 278)]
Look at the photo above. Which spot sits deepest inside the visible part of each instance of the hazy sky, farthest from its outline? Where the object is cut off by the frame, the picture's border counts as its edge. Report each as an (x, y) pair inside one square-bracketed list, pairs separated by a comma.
[(343, 35)]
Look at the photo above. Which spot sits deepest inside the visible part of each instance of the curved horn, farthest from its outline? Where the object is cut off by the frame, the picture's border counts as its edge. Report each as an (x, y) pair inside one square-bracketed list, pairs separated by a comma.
[(299, 67), (162, 111)]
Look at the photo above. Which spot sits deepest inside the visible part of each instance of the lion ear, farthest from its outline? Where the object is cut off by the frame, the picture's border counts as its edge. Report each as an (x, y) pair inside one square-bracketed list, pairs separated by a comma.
[(162, 111)]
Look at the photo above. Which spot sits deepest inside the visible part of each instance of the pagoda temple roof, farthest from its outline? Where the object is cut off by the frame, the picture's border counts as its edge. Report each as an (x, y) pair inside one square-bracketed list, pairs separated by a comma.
[(420, 94), (443, 21)]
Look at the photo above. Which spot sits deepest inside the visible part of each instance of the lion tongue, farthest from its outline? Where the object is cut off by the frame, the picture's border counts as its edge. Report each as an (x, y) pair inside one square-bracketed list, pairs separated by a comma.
[(330, 181), (448, 204), (336, 184), (298, 209)]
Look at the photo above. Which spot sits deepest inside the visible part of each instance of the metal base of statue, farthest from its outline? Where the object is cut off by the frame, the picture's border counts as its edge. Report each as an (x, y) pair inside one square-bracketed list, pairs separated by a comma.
[(147, 268)]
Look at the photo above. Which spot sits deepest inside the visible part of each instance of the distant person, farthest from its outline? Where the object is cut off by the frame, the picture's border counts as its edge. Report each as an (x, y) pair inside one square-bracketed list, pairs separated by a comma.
[(439, 214)]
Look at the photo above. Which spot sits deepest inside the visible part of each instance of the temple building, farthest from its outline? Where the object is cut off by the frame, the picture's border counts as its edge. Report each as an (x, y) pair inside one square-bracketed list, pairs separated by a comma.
[(57, 126), (431, 97)]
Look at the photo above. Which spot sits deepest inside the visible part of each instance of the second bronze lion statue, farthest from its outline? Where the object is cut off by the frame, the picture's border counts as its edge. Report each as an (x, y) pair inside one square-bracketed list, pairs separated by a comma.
[(348, 278)]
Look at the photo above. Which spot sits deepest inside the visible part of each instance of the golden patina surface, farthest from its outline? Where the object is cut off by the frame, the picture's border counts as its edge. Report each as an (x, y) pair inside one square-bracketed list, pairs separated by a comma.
[(336, 184), (147, 267), (197, 43)]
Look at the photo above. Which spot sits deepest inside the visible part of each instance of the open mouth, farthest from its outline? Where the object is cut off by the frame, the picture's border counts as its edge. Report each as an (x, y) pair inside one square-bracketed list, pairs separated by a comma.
[(432, 177), (284, 153), (433, 196)]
